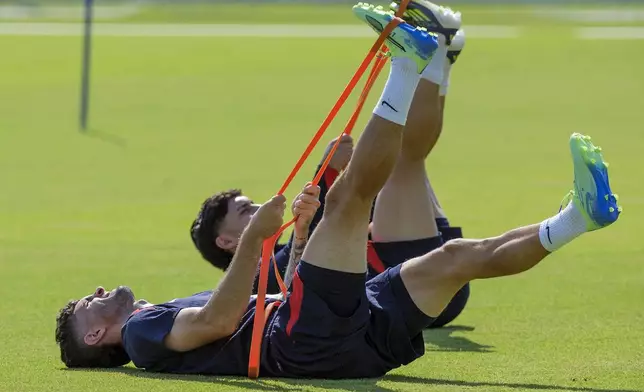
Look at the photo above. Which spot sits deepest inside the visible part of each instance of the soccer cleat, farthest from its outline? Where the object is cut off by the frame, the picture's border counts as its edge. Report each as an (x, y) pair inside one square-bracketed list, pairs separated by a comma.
[(454, 50), (592, 195), (405, 40), (434, 18)]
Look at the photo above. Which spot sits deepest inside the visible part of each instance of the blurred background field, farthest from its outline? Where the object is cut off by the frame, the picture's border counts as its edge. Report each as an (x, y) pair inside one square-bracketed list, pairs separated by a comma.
[(176, 117)]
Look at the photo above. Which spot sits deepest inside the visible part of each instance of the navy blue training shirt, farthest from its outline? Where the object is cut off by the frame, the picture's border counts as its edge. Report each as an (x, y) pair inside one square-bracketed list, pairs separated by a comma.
[(144, 332)]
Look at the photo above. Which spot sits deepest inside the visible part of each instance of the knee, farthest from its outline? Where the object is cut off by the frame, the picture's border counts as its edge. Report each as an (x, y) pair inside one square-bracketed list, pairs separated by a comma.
[(464, 258), (335, 199), (454, 308), (343, 198)]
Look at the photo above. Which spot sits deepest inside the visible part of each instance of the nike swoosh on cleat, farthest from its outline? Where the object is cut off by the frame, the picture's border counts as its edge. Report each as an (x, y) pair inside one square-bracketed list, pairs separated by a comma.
[(378, 26), (387, 104)]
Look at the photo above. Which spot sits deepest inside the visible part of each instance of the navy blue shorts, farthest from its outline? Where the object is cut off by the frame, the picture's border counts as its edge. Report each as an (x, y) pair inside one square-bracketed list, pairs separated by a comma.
[(331, 327), (382, 255)]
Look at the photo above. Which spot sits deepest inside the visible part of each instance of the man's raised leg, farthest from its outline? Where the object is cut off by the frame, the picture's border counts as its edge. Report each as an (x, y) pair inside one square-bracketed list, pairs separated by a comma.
[(327, 312), (423, 129), (453, 52), (432, 279), (339, 241), (328, 303), (405, 222), (404, 208)]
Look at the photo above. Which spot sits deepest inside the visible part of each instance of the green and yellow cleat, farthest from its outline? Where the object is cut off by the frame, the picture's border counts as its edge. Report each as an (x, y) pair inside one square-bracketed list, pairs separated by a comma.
[(405, 40), (592, 195)]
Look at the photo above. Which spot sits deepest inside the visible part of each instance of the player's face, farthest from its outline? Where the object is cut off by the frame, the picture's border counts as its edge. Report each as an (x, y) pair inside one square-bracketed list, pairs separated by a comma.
[(240, 211), (103, 310)]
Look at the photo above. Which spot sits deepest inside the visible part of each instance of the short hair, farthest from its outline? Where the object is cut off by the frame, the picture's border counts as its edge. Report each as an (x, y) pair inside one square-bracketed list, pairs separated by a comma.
[(76, 354), (206, 227)]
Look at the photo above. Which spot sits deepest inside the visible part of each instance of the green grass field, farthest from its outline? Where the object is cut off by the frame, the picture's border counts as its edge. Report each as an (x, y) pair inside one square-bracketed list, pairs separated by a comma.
[(175, 119)]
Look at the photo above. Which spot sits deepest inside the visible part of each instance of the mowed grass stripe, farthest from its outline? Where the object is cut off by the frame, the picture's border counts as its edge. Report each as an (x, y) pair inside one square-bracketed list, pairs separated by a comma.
[(224, 30)]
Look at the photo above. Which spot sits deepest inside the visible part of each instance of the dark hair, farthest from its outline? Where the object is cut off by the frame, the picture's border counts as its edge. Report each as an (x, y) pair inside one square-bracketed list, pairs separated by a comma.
[(75, 353), (206, 227)]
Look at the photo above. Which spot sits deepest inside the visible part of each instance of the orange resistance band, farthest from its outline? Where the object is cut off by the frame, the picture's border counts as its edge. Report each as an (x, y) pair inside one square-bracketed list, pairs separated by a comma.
[(262, 313)]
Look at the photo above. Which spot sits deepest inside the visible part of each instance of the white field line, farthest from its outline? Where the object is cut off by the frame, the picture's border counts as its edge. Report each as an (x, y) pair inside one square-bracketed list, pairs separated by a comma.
[(615, 16), (18, 12), (224, 30), (613, 33)]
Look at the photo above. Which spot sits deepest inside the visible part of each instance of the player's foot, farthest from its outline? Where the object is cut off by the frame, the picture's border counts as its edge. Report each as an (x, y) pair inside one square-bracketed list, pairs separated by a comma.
[(455, 49), (434, 18), (405, 40), (592, 195)]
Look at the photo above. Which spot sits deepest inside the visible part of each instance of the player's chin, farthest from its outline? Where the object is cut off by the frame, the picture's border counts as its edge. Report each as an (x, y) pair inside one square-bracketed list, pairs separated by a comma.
[(124, 294)]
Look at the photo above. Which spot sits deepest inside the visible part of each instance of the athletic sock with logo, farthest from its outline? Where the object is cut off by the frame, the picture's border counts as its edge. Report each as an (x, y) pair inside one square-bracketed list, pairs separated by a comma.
[(562, 228), (399, 91)]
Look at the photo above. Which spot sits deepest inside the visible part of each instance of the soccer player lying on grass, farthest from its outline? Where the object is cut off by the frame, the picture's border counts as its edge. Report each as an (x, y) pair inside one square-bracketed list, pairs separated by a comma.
[(334, 323), (223, 216)]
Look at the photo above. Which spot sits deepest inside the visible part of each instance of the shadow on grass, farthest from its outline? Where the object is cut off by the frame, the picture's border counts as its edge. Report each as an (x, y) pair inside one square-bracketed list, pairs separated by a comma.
[(106, 137), (441, 339), (273, 384)]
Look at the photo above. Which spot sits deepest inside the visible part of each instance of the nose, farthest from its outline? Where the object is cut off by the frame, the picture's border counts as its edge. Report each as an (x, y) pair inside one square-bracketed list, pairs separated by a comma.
[(99, 291)]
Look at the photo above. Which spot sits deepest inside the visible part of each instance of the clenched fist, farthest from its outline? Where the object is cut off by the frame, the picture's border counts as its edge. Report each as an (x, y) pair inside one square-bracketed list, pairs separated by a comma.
[(304, 208), (268, 218)]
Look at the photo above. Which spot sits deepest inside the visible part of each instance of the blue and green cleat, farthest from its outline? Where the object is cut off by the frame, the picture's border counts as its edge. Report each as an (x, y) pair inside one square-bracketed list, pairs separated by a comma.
[(405, 40), (592, 195), (433, 17)]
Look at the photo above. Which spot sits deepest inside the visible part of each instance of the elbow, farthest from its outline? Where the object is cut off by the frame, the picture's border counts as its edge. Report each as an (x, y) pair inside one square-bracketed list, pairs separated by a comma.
[(221, 326), (227, 329)]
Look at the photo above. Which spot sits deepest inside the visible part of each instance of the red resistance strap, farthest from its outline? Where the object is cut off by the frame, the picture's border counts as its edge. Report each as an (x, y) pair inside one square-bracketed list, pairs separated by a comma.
[(262, 313), (374, 261)]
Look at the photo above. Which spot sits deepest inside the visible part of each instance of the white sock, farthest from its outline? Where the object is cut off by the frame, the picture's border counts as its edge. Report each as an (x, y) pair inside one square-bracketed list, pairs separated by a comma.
[(562, 228), (399, 91), (447, 68), (435, 71)]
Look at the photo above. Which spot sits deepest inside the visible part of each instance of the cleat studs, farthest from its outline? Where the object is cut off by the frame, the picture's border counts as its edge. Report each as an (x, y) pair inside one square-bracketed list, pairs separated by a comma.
[(615, 196), (606, 164), (584, 148), (611, 209), (619, 209), (593, 161), (606, 197)]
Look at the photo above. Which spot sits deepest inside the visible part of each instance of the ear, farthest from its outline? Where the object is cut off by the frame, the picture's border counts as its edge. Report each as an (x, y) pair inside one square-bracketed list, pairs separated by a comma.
[(226, 242), (93, 337)]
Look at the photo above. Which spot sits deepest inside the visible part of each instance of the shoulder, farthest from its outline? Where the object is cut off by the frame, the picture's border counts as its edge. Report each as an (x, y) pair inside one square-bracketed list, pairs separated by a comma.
[(149, 325), (143, 334)]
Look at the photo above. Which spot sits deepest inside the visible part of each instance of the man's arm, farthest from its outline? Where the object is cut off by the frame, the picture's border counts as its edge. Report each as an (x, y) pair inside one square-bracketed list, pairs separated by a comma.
[(304, 208), (297, 249), (219, 318)]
